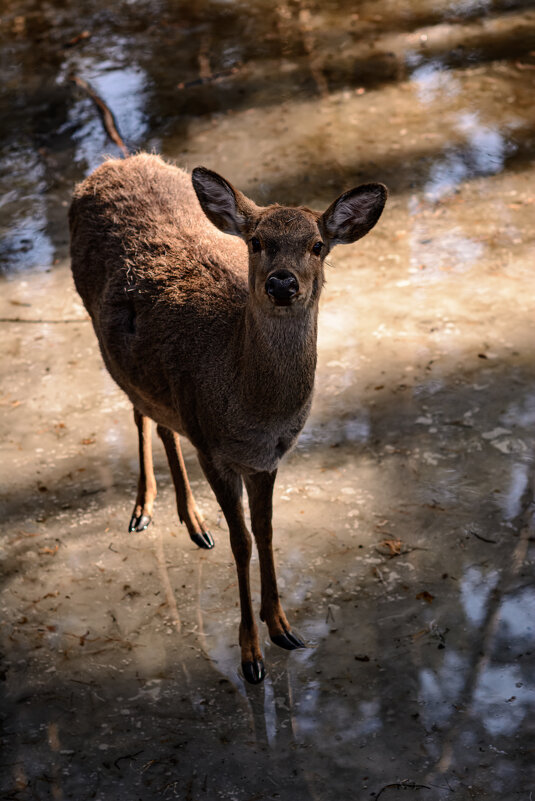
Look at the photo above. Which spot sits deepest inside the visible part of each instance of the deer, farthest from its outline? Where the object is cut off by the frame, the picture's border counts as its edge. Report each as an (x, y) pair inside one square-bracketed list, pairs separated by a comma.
[(205, 307)]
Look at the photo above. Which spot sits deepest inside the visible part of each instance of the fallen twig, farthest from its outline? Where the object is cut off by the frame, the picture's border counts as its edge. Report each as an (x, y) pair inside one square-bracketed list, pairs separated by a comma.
[(41, 320), (106, 115), (208, 78), (76, 39), (483, 539), (402, 786), (131, 757)]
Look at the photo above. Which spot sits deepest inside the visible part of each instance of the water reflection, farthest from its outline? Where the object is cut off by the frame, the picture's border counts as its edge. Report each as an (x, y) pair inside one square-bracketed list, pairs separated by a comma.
[(513, 497), (435, 254), (476, 586), (439, 690), (484, 154), (395, 516), (516, 619), (502, 700), (432, 79), (469, 7), (24, 242), (138, 65)]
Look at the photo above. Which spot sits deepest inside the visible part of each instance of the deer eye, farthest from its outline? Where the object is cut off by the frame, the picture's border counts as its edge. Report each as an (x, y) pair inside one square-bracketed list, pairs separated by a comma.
[(255, 244), (316, 249)]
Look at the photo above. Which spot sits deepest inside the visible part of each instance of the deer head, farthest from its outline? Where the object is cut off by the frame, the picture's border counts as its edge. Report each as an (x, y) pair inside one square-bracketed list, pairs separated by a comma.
[(287, 246)]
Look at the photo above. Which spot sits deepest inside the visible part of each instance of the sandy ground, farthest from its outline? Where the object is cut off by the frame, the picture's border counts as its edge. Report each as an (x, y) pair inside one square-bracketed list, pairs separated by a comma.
[(404, 517)]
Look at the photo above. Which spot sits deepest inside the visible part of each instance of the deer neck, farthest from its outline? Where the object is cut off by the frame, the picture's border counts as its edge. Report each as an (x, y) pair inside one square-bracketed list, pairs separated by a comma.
[(279, 360)]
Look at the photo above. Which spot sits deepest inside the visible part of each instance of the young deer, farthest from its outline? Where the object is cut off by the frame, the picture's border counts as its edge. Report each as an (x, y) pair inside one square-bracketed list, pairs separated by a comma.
[(212, 336)]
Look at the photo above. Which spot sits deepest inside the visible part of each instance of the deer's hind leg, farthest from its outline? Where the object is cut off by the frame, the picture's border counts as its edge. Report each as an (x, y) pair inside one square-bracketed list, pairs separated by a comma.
[(146, 488), (186, 506)]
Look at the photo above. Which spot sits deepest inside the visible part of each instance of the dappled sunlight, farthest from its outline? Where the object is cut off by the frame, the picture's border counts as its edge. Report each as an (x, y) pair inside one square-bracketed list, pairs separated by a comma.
[(404, 516)]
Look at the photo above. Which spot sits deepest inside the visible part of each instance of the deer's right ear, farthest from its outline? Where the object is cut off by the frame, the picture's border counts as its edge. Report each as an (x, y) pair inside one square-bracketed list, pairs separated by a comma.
[(226, 207)]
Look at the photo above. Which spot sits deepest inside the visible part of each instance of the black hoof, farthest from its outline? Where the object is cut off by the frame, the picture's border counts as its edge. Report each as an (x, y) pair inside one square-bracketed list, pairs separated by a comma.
[(253, 672), (139, 523), (288, 641), (203, 540)]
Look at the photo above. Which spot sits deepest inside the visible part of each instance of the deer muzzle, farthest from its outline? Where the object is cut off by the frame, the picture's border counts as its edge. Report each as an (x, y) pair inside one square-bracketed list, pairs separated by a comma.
[(282, 286)]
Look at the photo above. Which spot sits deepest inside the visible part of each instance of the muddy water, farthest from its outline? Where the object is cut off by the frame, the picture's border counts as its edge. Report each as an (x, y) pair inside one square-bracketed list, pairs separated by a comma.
[(404, 526)]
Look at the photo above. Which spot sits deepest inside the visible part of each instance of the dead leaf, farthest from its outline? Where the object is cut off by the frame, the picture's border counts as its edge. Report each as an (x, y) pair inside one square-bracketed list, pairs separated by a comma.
[(51, 551), (394, 546), (425, 596), (420, 634), (78, 38)]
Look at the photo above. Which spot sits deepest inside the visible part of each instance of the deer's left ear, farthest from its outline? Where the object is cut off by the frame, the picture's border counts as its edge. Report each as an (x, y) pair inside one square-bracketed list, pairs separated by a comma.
[(353, 214)]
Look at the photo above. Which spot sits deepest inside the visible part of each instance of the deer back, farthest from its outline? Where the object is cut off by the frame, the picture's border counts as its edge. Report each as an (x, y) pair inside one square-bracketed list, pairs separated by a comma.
[(165, 289)]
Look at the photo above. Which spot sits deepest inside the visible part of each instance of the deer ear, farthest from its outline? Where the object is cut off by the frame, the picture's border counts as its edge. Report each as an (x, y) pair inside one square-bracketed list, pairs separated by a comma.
[(226, 207), (353, 214)]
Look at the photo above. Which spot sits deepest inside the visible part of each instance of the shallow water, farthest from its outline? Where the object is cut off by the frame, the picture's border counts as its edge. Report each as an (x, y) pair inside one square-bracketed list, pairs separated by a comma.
[(404, 517)]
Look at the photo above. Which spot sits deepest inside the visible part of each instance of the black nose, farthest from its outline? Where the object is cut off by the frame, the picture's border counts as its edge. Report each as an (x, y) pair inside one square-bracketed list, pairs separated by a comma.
[(282, 286)]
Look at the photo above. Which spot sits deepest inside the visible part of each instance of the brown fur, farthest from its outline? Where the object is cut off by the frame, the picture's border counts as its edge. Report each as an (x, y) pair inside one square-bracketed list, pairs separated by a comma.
[(188, 330)]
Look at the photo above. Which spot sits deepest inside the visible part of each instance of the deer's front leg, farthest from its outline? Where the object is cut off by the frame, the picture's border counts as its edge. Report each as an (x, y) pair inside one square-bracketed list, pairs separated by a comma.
[(260, 491), (227, 487)]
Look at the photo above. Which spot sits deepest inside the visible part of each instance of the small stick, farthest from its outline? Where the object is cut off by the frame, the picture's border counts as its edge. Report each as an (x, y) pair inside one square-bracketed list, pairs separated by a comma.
[(43, 320), (207, 78), (480, 537), (108, 120), (402, 786)]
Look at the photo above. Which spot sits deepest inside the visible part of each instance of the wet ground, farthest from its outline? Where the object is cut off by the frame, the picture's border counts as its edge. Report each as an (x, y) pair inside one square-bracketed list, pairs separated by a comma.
[(404, 517)]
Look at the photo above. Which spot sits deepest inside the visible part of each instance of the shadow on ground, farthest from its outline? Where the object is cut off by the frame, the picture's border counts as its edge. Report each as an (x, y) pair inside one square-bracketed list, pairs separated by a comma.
[(404, 517)]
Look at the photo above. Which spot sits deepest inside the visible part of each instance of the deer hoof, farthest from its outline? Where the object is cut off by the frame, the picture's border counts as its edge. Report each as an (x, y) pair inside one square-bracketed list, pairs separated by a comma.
[(203, 540), (288, 641), (139, 523), (254, 671)]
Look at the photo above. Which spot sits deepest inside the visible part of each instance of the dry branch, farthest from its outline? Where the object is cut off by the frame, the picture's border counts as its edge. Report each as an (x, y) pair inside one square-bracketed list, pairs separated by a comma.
[(106, 115)]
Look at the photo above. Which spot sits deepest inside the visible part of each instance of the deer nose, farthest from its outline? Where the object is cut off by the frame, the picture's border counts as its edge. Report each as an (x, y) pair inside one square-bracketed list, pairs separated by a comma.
[(282, 286)]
